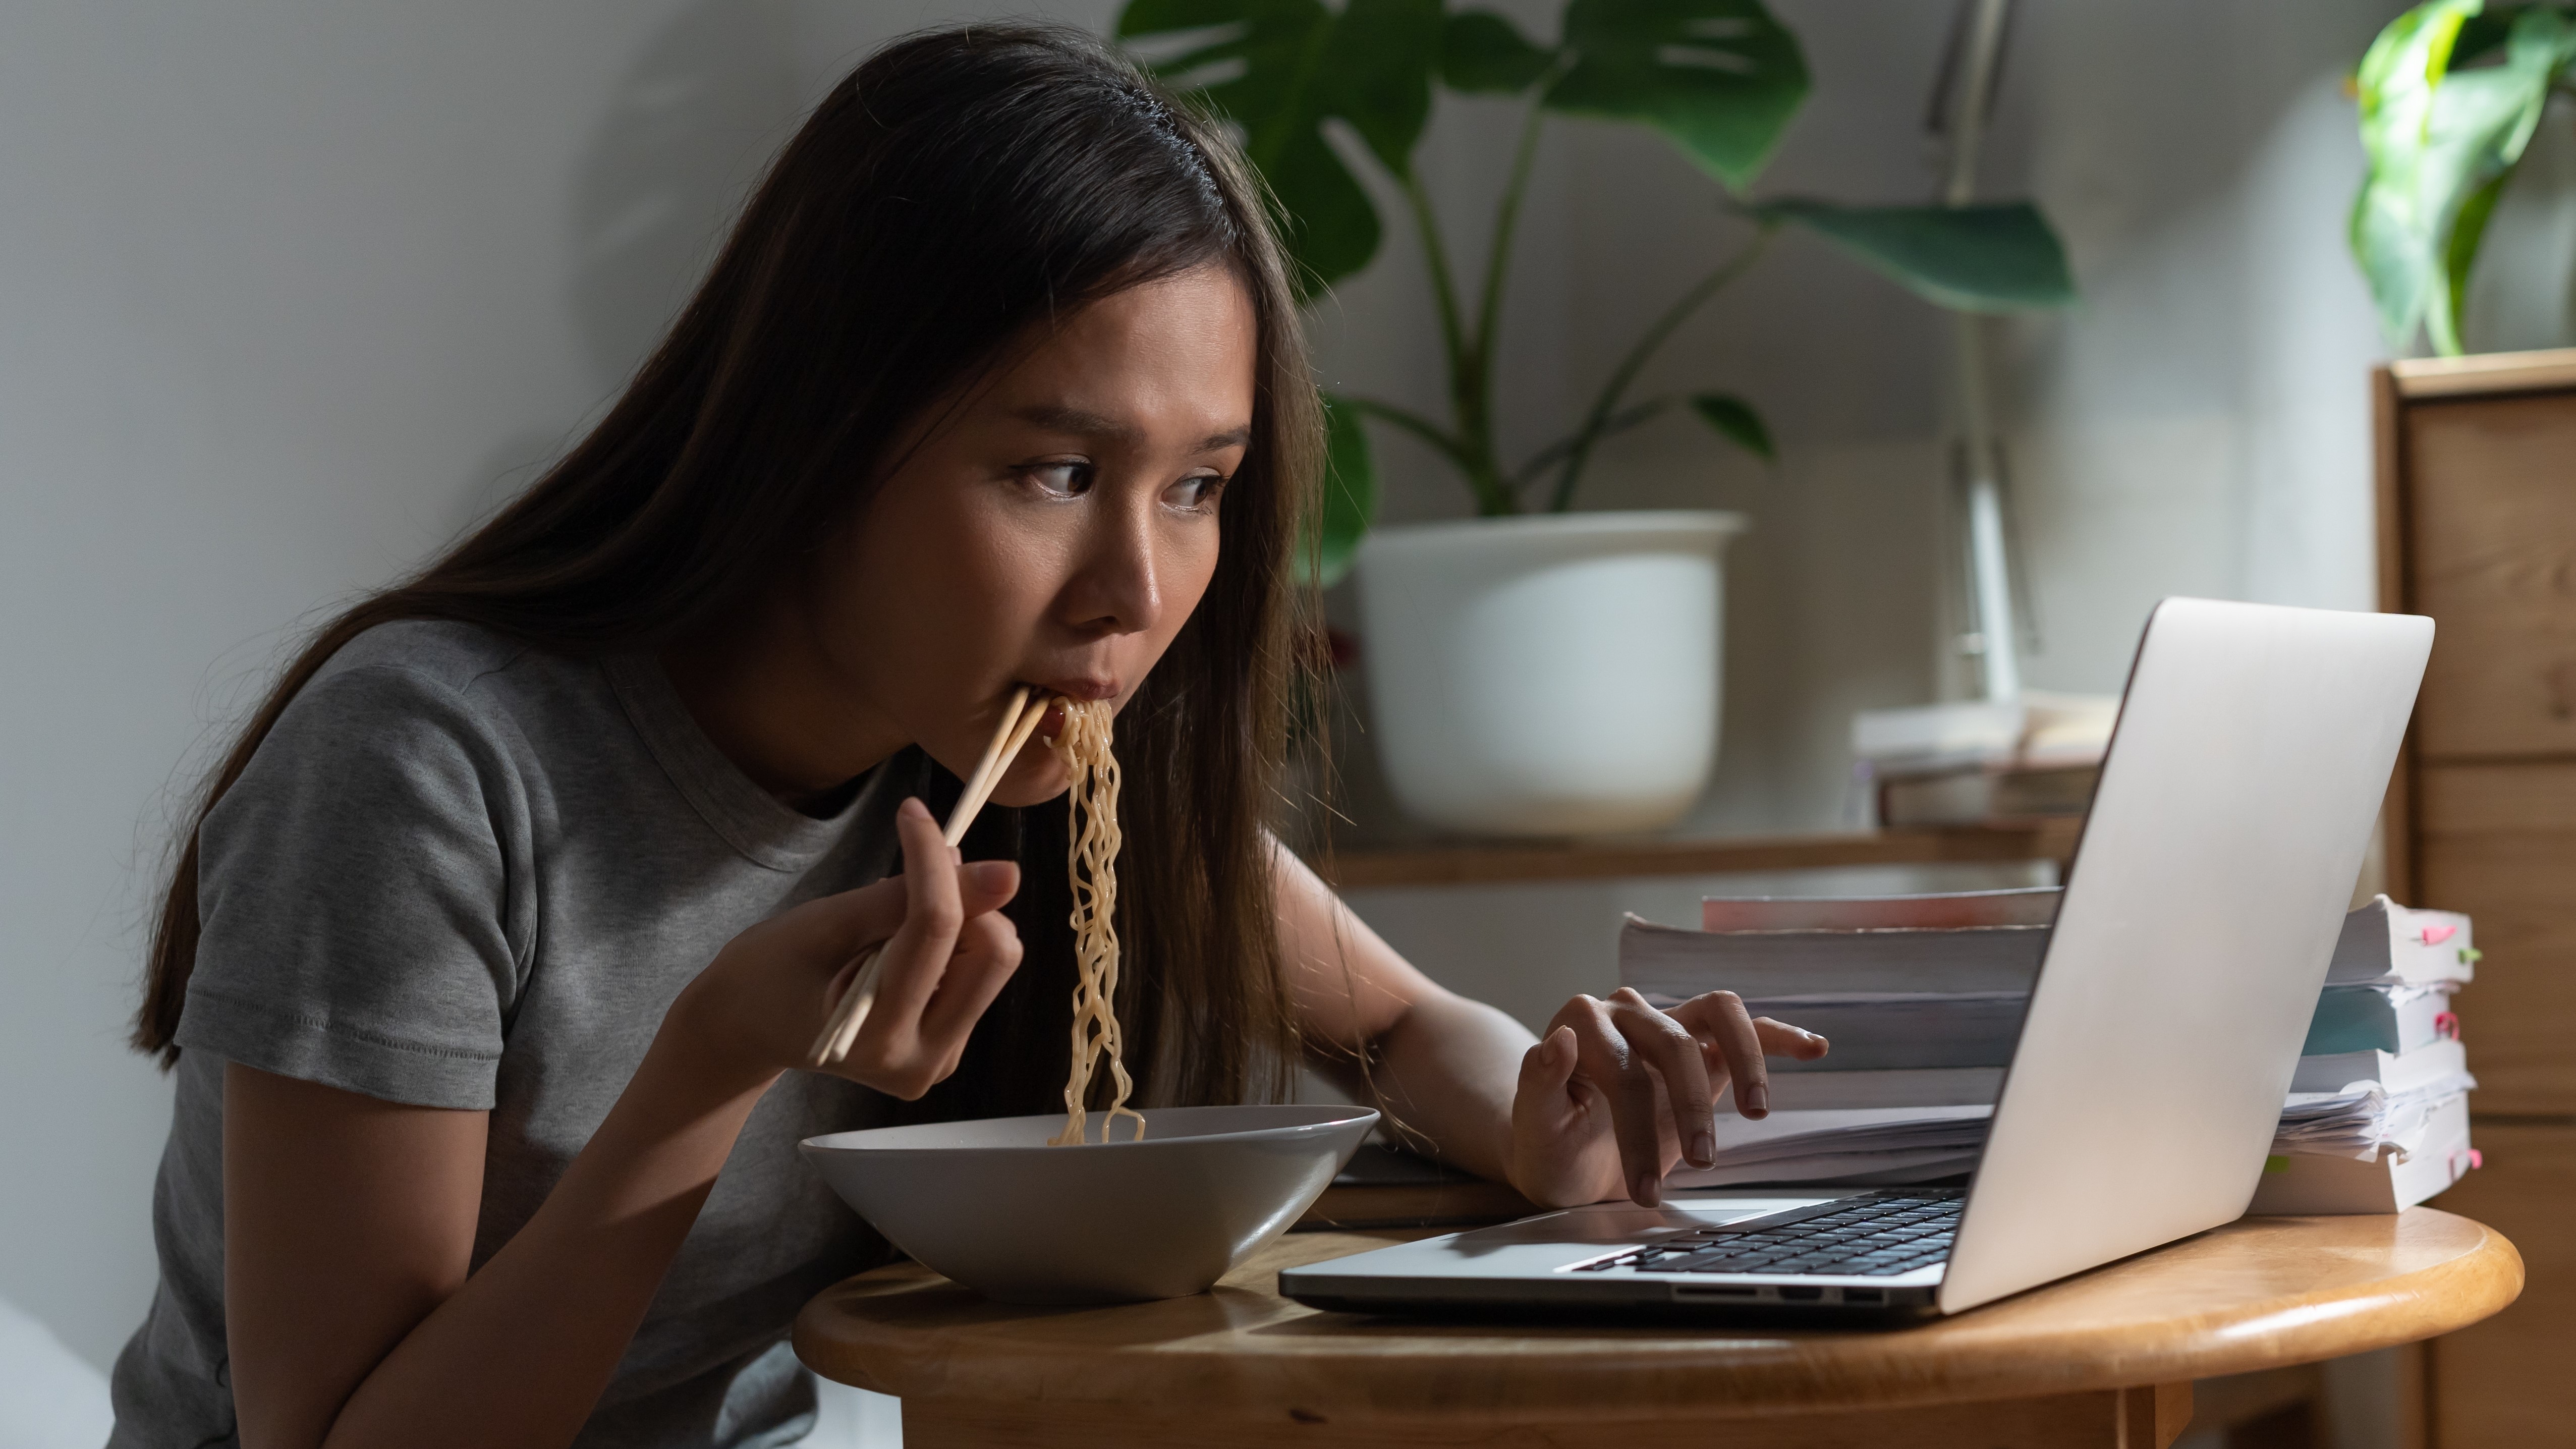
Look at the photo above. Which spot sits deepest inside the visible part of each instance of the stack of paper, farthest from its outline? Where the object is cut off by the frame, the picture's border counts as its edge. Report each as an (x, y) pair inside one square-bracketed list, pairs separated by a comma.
[(2384, 1100), (1865, 1144), (1923, 999)]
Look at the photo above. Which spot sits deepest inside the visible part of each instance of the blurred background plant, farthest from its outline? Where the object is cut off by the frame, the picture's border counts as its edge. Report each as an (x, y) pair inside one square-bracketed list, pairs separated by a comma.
[(1719, 79), (2451, 93)]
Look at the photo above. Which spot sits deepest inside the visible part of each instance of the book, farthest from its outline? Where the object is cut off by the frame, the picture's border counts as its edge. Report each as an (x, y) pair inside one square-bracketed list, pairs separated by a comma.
[(2384, 1017), (1679, 964), (2392, 1179), (2039, 728), (2020, 906), (2396, 1073), (1904, 1087), (2386, 942), (2381, 944), (1943, 980), (1986, 795), (1896, 1032), (1886, 998)]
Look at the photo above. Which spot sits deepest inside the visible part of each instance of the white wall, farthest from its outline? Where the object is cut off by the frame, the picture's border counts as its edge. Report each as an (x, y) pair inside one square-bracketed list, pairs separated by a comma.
[(2197, 425), (289, 292)]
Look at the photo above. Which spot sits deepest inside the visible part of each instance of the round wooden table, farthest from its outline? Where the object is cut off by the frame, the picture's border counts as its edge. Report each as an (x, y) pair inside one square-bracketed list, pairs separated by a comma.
[(2105, 1358)]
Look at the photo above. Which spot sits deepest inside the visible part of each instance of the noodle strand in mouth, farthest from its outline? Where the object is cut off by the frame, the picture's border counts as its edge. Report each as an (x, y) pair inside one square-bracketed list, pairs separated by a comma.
[(1083, 747)]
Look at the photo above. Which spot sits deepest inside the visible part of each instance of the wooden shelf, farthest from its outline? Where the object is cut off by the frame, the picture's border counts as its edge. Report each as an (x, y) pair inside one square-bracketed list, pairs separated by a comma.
[(1490, 864)]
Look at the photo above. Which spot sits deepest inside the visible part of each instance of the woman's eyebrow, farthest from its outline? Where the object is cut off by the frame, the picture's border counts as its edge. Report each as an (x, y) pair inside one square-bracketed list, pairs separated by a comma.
[(1084, 423)]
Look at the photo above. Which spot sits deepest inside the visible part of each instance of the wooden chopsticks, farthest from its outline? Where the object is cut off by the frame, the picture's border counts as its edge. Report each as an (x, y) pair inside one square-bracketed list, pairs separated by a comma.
[(1019, 721)]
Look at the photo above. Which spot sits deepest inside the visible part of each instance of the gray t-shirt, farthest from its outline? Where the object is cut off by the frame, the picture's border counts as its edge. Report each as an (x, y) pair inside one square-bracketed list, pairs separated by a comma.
[(466, 873)]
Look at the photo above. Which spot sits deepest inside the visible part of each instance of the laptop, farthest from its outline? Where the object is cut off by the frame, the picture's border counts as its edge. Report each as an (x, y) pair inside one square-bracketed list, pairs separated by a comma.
[(2252, 749)]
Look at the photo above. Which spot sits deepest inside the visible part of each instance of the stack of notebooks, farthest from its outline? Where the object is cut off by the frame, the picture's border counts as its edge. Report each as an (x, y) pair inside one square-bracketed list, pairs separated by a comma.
[(1923, 997), (1982, 762)]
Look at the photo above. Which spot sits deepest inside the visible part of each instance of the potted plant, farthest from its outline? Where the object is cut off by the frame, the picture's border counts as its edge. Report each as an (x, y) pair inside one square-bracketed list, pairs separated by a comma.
[(2450, 95), (1536, 670)]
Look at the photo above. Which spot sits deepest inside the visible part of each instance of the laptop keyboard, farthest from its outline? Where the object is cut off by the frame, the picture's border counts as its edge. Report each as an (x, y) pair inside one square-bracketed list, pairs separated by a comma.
[(1870, 1237)]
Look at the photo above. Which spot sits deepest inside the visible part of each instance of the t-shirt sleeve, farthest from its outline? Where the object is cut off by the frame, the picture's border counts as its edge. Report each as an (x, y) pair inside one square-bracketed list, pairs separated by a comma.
[(353, 895)]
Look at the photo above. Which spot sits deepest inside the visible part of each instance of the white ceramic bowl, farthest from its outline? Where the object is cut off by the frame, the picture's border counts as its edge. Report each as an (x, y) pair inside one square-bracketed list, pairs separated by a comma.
[(989, 1204)]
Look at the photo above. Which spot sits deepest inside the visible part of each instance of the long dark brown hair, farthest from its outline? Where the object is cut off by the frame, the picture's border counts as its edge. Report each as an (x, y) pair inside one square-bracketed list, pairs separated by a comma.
[(958, 192)]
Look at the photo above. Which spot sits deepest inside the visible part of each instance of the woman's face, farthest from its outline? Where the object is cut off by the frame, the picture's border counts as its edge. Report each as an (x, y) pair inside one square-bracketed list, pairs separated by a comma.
[(1055, 531)]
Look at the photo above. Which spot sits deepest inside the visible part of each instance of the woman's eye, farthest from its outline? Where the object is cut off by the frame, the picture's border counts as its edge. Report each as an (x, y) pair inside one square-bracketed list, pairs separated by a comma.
[(1197, 492), (1067, 480)]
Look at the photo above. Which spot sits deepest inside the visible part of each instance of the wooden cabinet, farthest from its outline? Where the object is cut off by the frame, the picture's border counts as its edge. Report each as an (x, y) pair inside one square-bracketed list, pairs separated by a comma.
[(2497, 839), (2477, 513), (2512, 1379)]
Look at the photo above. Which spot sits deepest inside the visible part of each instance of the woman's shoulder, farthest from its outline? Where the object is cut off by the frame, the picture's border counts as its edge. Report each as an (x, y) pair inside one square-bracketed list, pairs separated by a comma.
[(451, 655), (453, 669)]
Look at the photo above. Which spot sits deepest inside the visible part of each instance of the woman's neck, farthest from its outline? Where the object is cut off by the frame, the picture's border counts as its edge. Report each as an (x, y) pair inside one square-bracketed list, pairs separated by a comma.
[(768, 697)]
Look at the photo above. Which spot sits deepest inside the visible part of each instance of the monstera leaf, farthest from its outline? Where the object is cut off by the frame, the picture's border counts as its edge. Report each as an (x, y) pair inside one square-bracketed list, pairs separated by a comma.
[(2442, 143), (1333, 535), (1481, 53), (1282, 69), (2001, 258), (1720, 78)]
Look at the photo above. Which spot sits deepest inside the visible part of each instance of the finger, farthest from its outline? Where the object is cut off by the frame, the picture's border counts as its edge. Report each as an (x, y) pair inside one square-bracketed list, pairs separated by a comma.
[(1546, 1070), (840, 928), (1674, 1053), (1719, 1018), (934, 911), (986, 885), (1612, 1067), (1780, 1039), (988, 951), (839, 985), (983, 887)]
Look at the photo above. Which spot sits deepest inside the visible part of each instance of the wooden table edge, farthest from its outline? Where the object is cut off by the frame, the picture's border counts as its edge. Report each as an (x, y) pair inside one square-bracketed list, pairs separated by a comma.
[(2291, 1329)]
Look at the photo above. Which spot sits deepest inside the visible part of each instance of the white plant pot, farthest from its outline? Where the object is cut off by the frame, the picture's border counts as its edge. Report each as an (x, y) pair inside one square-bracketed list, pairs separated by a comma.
[(1549, 675)]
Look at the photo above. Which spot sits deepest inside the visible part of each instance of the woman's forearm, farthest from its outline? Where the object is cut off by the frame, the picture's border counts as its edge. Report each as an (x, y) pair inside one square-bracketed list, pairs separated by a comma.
[(1446, 1071), (1443, 1068), (519, 1355)]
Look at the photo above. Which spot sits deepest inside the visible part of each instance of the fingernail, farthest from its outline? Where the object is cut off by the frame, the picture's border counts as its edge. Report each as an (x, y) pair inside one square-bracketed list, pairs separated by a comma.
[(1646, 1191), (1703, 1151), (912, 806), (1756, 1101), (990, 875)]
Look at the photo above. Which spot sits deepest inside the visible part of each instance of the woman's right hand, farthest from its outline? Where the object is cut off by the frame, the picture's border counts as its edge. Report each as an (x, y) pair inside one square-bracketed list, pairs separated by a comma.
[(757, 1009)]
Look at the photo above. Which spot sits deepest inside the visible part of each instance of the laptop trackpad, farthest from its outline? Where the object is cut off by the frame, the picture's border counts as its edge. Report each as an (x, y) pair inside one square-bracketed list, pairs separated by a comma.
[(1621, 1222), (1549, 1241)]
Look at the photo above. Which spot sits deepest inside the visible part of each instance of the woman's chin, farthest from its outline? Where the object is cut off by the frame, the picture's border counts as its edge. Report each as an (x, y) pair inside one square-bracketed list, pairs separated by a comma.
[(1024, 787)]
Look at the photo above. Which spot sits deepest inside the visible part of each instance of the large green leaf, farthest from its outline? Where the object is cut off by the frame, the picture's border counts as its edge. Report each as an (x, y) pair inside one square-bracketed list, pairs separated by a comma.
[(1333, 535), (2441, 143), (1999, 258), (1720, 78), (1482, 53), (1281, 70), (1379, 65), (1737, 422)]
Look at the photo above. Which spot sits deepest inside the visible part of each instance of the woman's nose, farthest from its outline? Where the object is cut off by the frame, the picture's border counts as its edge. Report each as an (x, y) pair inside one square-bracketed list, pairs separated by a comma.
[(1117, 587)]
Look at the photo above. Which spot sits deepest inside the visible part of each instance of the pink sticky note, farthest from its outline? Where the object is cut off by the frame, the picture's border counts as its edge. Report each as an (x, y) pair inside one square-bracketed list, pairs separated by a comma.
[(2436, 935)]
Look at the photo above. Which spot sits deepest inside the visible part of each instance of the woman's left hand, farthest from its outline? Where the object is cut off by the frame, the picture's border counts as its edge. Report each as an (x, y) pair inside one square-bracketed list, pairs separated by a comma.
[(1616, 1092)]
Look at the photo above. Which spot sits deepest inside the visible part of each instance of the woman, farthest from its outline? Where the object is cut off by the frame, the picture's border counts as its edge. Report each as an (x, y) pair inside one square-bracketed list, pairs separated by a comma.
[(492, 958)]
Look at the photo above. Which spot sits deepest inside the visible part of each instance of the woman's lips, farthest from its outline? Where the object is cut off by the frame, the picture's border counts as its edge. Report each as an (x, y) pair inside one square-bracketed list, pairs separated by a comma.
[(1086, 688)]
